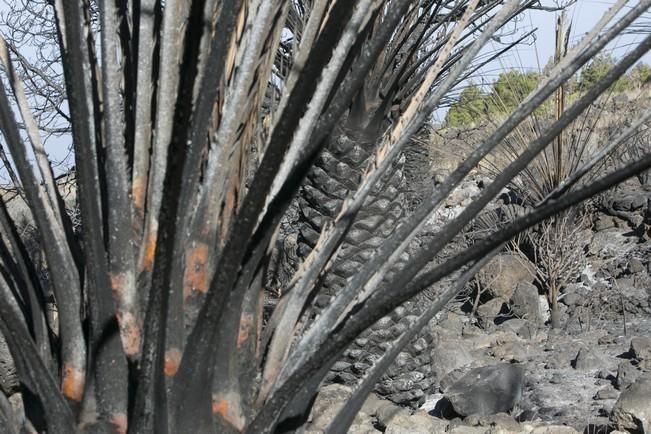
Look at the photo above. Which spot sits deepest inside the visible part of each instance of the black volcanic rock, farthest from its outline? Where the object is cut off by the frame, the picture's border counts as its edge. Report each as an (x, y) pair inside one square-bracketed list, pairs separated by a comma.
[(487, 390)]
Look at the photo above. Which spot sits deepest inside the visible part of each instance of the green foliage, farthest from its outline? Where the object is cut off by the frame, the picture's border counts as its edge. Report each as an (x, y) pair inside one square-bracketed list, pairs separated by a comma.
[(470, 107), (596, 70), (513, 86), (641, 74), (510, 89), (506, 93)]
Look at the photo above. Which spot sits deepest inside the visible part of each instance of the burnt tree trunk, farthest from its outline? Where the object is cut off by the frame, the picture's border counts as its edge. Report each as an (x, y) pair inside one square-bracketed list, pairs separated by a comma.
[(336, 173), (555, 312)]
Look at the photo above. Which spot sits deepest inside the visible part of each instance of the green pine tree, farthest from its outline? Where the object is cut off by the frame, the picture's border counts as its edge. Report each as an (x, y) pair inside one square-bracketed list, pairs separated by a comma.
[(469, 109)]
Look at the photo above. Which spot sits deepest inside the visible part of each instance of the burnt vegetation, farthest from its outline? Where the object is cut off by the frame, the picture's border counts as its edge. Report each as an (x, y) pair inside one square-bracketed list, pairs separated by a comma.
[(195, 125)]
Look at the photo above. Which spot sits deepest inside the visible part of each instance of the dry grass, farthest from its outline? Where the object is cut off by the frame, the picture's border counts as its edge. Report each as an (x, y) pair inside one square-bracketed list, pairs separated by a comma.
[(556, 247)]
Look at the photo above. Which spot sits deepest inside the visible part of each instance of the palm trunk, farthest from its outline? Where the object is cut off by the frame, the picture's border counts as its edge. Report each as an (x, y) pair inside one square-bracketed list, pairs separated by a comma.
[(335, 174)]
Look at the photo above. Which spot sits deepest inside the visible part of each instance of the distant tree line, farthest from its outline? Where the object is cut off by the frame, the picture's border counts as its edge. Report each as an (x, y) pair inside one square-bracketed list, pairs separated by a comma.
[(476, 104)]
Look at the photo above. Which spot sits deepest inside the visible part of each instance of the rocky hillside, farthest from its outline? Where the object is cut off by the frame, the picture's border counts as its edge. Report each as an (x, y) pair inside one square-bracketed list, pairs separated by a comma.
[(502, 368), (492, 361)]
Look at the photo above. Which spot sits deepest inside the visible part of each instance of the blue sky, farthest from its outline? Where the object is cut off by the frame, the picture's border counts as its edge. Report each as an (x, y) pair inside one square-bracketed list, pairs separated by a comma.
[(534, 54), (582, 15)]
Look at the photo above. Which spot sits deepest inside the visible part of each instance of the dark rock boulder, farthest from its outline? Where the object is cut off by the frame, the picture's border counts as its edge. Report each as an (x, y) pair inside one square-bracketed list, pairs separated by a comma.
[(641, 350), (452, 377), (387, 411), (448, 356), (632, 411), (489, 311), (607, 392), (487, 390), (603, 222), (626, 375), (636, 266), (504, 272), (630, 202), (521, 327), (524, 302), (587, 360)]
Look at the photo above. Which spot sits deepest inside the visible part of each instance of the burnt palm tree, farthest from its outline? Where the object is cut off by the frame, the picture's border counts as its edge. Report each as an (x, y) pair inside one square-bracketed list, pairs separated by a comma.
[(194, 125)]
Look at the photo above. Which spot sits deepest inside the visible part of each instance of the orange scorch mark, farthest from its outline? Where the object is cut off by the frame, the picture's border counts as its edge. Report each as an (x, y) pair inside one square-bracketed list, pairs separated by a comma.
[(229, 411), (150, 251), (117, 285), (246, 322), (130, 332), (228, 211), (196, 270), (73, 382), (138, 193), (172, 361), (119, 422)]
